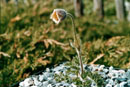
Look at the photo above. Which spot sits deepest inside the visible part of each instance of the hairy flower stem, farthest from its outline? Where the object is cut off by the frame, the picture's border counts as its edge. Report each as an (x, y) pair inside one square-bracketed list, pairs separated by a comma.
[(76, 42)]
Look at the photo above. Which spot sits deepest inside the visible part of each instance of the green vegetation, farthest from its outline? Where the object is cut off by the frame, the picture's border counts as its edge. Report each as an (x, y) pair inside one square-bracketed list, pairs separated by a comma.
[(74, 70), (30, 41)]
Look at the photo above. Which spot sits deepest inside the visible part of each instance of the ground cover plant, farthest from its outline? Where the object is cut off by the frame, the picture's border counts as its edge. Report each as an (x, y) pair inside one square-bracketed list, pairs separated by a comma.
[(30, 41)]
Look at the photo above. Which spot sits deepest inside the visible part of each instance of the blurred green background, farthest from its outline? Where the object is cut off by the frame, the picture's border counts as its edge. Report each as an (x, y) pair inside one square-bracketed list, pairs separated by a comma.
[(30, 41)]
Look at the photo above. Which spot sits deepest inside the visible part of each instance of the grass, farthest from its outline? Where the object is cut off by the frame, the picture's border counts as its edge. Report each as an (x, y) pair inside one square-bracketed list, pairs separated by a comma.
[(30, 41)]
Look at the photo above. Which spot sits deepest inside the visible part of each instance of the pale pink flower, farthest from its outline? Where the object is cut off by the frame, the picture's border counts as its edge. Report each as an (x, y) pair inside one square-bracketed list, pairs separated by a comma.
[(58, 15)]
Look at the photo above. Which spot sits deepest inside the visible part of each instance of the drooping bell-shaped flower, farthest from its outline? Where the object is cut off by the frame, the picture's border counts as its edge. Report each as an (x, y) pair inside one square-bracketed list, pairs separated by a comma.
[(58, 15)]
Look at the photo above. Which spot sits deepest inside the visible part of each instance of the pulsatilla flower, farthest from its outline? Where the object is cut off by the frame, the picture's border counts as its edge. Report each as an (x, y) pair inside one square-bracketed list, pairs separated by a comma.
[(58, 15)]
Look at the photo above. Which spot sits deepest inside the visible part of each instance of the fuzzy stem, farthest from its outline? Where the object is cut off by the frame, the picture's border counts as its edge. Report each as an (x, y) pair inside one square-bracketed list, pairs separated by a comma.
[(78, 49)]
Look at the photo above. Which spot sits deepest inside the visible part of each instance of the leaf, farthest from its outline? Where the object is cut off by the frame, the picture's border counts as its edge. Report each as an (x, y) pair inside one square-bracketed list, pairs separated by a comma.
[(44, 62), (113, 40), (126, 65), (27, 33), (26, 58), (46, 43), (54, 42), (18, 55), (88, 45), (4, 54), (97, 58), (63, 46), (51, 41), (43, 11), (17, 18), (26, 75), (49, 54)]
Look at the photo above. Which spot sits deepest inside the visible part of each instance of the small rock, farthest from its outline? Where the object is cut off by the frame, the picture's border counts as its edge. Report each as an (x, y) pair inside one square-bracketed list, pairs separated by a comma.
[(21, 84), (47, 70), (57, 72), (41, 78), (33, 86), (121, 71), (36, 82), (66, 85), (94, 69), (111, 82), (51, 80), (87, 68), (128, 74), (123, 84), (102, 74), (93, 84), (110, 75), (58, 85), (108, 85), (121, 79), (117, 85), (28, 82), (105, 70), (73, 85), (72, 76), (111, 68), (45, 83), (58, 68), (128, 82), (101, 67), (49, 85), (64, 72)]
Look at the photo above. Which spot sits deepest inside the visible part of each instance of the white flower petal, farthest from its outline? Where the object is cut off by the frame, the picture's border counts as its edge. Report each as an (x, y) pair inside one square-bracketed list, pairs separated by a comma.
[(58, 15)]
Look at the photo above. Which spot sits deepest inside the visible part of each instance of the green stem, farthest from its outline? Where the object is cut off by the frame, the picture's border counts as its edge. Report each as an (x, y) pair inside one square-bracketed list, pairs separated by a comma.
[(78, 49)]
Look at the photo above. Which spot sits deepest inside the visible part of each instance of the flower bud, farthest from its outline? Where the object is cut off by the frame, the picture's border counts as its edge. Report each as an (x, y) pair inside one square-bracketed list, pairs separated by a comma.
[(58, 15)]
